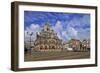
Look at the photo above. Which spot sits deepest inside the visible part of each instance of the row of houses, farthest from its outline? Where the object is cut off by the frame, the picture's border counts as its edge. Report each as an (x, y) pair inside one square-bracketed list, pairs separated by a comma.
[(77, 45)]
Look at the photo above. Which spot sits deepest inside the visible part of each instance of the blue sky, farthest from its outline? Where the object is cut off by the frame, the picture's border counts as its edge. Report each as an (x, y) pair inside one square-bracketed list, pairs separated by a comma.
[(66, 25)]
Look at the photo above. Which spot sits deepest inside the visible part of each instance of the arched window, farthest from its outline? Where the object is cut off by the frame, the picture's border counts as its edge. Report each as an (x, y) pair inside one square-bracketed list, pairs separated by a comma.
[(53, 47), (41, 47), (46, 47)]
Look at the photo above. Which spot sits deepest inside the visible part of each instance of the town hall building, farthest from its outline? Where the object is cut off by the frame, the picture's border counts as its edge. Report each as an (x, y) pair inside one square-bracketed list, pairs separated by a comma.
[(47, 40)]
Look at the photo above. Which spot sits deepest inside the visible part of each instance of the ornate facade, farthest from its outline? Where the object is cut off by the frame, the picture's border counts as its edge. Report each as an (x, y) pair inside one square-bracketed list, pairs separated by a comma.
[(75, 44), (47, 40), (86, 45)]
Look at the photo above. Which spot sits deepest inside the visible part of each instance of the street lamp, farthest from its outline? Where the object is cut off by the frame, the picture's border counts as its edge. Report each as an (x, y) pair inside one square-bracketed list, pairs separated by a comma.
[(30, 34)]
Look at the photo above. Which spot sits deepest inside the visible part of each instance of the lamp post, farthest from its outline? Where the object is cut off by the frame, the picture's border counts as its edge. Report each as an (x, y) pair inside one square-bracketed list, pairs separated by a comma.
[(30, 34)]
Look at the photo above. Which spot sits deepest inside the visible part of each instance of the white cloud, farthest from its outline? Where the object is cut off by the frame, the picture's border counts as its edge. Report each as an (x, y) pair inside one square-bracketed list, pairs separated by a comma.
[(58, 27), (61, 32), (80, 32), (65, 36), (65, 31), (33, 28), (79, 22), (85, 20), (72, 32), (69, 31), (84, 33)]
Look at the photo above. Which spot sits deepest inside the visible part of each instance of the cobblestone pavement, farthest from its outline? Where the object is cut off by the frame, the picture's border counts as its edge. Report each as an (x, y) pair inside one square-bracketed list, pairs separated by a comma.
[(38, 56)]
